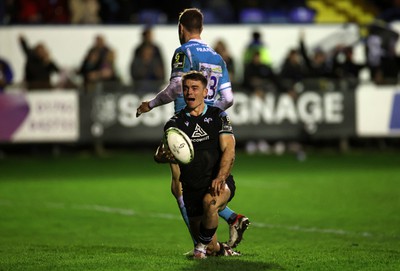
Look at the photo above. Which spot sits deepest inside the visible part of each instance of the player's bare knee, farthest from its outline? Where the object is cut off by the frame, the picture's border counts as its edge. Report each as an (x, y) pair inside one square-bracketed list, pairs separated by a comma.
[(210, 204)]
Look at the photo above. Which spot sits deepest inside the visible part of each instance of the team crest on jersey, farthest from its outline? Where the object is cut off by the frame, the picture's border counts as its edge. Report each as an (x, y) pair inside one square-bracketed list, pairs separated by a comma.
[(199, 134), (179, 60), (208, 120)]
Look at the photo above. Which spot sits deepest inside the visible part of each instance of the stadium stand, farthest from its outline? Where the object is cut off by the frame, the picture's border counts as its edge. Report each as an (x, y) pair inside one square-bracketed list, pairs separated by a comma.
[(218, 12), (331, 11)]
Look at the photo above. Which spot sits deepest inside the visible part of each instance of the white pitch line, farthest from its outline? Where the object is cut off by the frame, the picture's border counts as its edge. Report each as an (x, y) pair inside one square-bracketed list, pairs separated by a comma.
[(129, 212), (301, 229)]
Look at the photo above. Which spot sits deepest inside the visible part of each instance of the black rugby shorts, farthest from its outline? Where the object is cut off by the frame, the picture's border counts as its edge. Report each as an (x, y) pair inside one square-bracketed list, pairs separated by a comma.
[(194, 198)]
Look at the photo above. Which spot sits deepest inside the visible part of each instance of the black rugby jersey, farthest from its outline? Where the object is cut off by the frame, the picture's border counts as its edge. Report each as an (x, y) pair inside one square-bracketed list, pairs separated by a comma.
[(204, 131)]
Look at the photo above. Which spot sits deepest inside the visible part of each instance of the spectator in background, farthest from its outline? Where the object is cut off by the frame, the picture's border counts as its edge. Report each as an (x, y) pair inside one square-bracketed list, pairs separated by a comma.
[(43, 11), (217, 11), (7, 12), (90, 65), (10, 10), (292, 71), (293, 68), (318, 65), (118, 11), (344, 66), (6, 74), (108, 72), (382, 59), (97, 57), (39, 66), (28, 12), (147, 41), (256, 45), (55, 11), (146, 68), (258, 77), (389, 9), (221, 48), (85, 11)]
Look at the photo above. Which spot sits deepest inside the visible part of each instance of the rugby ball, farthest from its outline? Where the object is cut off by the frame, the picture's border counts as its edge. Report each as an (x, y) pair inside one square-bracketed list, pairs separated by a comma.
[(180, 145)]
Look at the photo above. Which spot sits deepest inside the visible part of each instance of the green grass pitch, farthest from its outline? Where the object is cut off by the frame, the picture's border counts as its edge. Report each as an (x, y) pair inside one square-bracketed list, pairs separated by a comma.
[(330, 212)]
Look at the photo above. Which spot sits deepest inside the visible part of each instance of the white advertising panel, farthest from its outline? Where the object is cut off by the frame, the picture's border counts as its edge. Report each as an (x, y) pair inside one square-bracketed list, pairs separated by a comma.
[(378, 111), (52, 117)]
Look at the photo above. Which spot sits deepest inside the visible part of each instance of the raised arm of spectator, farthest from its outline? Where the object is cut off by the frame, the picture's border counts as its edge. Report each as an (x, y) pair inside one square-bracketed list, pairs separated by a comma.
[(24, 45), (303, 51)]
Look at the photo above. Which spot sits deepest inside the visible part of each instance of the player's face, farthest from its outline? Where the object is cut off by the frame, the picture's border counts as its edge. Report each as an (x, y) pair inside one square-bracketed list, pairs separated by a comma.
[(194, 93)]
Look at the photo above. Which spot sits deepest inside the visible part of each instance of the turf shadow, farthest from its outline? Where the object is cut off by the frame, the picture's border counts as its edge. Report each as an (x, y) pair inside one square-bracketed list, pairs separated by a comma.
[(229, 264)]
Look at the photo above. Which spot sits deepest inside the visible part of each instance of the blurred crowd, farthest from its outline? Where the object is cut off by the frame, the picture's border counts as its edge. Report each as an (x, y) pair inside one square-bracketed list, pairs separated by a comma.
[(125, 11), (303, 67), (154, 11)]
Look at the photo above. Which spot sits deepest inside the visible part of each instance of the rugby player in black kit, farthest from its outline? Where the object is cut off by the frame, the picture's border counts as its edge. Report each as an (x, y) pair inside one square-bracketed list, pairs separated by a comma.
[(207, 181)]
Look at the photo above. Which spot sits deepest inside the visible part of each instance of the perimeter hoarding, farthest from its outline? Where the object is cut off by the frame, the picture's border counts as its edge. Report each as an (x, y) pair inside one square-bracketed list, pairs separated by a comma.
[(40, 116), (378, 111), (110, 116), (66, 116)]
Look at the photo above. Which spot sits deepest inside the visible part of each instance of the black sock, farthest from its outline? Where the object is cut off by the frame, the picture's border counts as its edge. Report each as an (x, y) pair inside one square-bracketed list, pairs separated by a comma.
[(206, 235), (232, 218)]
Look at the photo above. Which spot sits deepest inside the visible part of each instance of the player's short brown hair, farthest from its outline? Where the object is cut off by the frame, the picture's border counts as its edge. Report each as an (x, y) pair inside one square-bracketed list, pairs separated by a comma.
[(195, 75), (192, 19)]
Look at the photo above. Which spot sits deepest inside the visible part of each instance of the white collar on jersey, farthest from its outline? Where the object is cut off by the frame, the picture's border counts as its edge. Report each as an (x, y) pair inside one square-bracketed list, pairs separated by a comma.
[(197, 40)]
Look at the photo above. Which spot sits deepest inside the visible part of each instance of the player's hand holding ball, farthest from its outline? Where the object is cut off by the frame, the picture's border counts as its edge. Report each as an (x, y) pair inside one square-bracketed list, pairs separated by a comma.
[(175, 148), (164, 155)]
